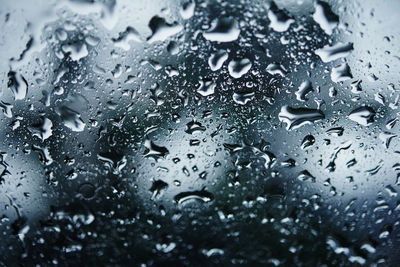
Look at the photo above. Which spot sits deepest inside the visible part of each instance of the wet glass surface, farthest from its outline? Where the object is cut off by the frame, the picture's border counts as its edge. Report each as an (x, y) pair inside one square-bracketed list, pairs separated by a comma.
[(199, 133)]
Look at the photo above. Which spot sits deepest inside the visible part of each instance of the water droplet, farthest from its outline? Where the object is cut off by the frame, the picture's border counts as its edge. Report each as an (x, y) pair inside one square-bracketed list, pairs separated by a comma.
[(386, 138), (6, 108), (71, 119), (243, 98), (391, 123), (275, 68), (304, 88), (44, 154), (154, 151), (194, 126), (43, 129), (18, 85), (308, 140), (324, 16), (279, 20), (225, 29), (87, 190), (239, 67), (330, 53), (206, 87), (161, 30), (363, 115), (341, 73), (296, 117), (356, 87), (217, 59), (336, 131), (202, 196), (305, 176), (157, 189), (113, 161)]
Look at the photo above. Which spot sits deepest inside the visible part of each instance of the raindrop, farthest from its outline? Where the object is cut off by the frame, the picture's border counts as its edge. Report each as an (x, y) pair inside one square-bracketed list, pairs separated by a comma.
[(239, 67), (363, 115), (161, 30), (296, 117), (224, 29)]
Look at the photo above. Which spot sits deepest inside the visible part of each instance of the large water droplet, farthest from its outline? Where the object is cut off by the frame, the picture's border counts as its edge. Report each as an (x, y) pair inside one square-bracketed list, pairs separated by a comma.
[(239, 67), (243, 98), (296, 117), (279, 20), (206, 87), (43, 130), (217, 59), (304, 88), (194, 126), (161, 30), (130, 34), (202, 196), (71, 118), (18, 85), (331, 53), (274, 68), (225, 29), (324, 16), (154, 151), (341, 73), (363, 115)]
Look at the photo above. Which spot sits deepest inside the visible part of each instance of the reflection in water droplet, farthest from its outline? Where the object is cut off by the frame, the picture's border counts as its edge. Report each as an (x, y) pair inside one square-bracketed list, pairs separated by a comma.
[(157, 189), (239, 67), (363, 115), (217, 59), (279, 20), (308, 140), (225, 29), (341, 73), (43, 130), (275, 68), (194, 126), (206, 87), (18, 85), (154, 151), (242, 98), (296, 117), (71, 119), (304, 88), (331, 53), (161, 30), (324, 16), (202, 196)]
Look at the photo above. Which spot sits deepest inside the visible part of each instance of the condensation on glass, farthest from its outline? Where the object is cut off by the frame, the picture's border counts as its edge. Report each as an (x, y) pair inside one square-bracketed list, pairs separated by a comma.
[(199, 133)]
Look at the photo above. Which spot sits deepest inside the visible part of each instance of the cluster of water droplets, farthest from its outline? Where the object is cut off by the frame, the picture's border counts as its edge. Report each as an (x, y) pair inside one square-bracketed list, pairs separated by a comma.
[(188, 131)]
